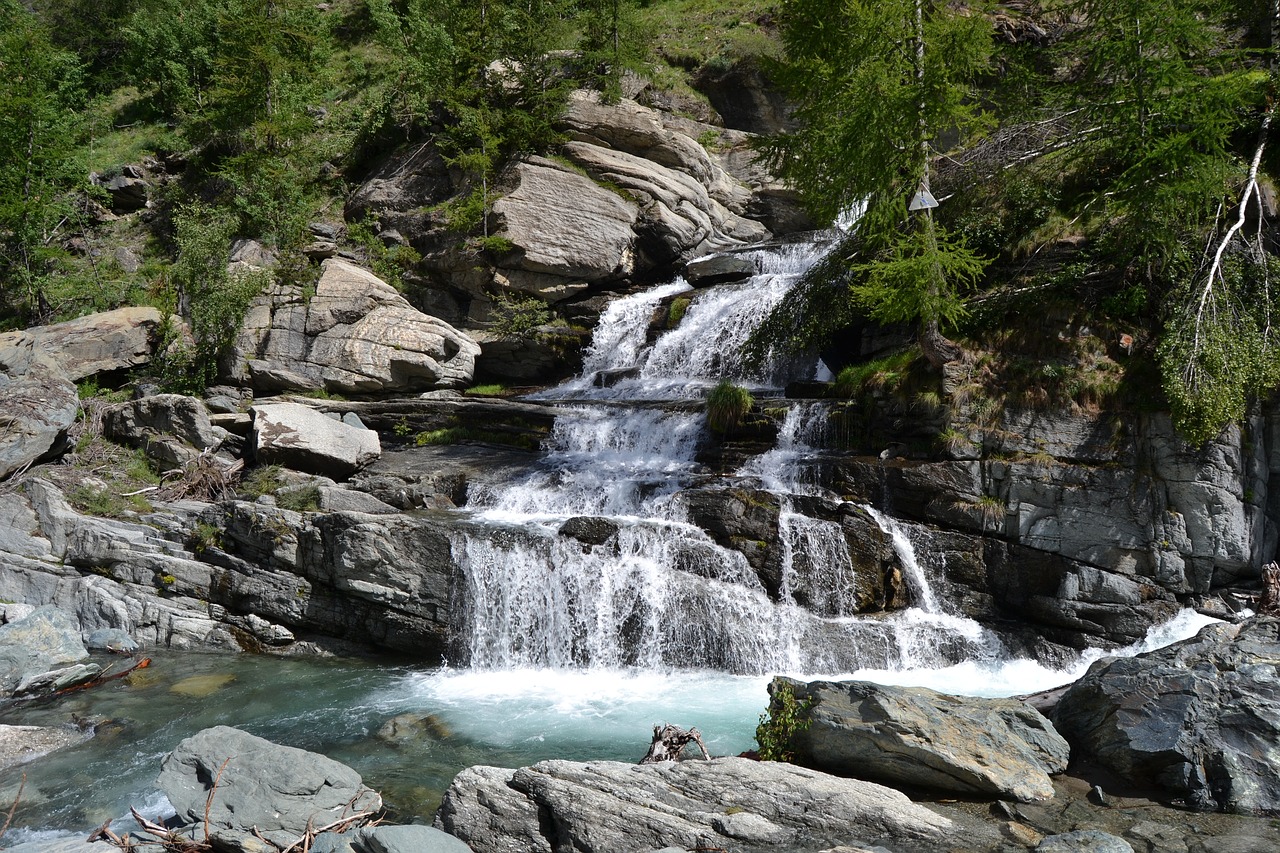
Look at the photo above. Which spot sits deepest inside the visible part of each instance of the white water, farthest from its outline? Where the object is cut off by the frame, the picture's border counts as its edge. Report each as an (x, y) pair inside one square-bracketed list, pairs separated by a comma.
[(649, 595)]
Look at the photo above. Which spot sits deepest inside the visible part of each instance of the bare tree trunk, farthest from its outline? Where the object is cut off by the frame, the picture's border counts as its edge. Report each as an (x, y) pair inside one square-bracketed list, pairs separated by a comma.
[(669, 741)]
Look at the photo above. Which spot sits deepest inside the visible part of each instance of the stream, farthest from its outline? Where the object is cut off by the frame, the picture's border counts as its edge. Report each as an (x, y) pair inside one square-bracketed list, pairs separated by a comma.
[(570, 647)]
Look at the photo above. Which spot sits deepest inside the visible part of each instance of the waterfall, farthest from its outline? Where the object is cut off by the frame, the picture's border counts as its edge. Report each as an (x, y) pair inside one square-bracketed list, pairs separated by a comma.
[(642, 587)]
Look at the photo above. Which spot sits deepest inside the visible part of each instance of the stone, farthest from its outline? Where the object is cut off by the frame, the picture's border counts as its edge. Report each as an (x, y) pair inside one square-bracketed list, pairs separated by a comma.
[(42, 650), (1199, 720), (725, 802), (38, 369), (566, 224), (334, 499), (407, 839), (202, 686), (1084, 841), (356, 334), (128, 194), (915, 736), (719, 269), (277, 791), (21, 744), (170, 428), (406, 728), (299, 437), (588, 529), (111, 640)]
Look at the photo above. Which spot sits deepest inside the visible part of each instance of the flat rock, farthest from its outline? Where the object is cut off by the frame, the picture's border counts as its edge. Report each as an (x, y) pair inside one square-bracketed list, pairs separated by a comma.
[(719, 269), (1084, 841), (1199, 719), (914, 736), (20, 744), (732, 803), (279, 790), (298, 437)]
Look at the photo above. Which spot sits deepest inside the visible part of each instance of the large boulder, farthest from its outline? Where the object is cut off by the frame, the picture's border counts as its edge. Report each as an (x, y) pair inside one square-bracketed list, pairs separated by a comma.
[(39, 368), (1199, 719), (355, 334), (170, 428), (42, 652), (918, 737), (565, 224), (258, 787), (299, 437), (730, 803)]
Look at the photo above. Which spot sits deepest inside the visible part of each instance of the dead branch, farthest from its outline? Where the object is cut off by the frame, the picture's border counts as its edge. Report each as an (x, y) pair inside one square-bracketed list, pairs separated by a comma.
[(670, 741), (204, 478), (208, 801), (17, 798), (104, 678), (1269, 602)]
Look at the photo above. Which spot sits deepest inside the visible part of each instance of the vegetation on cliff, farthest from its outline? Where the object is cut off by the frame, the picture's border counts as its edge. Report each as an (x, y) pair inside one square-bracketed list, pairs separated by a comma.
[(1108, 155)]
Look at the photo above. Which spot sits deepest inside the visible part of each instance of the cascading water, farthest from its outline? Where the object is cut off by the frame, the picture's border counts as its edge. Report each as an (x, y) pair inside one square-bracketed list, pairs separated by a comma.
[(629, 582)]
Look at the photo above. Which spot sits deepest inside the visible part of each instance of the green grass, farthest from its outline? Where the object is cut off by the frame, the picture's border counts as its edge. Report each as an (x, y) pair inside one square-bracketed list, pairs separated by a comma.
[(727, 405), (693, 33), (888, 373), (494, 389)]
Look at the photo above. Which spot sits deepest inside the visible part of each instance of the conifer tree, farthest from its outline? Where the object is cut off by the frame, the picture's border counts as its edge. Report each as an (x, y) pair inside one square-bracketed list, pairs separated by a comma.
[(876, 85)]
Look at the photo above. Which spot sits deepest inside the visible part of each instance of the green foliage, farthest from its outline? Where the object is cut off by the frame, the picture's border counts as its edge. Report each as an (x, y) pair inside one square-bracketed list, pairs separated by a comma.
[(106, 501), (301, 499), (40, 95), (612, 40), (888, 373), (171, 48), (263, 480), (921, 272), (727, 405), (496, 244), (389, 263), (205, 537), (787, 716), (517, 317), (1216, 356), (216, 300), (490, 390)]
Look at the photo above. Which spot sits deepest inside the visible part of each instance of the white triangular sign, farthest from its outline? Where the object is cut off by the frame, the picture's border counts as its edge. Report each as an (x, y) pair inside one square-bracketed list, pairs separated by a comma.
[(923, 200)]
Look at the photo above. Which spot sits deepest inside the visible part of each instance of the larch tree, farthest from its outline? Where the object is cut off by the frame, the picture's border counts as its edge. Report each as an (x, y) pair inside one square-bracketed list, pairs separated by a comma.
[(876, 86)]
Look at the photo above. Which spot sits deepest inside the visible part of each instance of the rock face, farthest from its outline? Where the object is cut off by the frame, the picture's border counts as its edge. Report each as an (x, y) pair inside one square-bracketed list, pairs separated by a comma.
[(727, 802), (301, 438), (1199, 719), (42, 652), (170, 428), (914, 736), (277, 791), (567, 225), (39, 368), (356, 334)]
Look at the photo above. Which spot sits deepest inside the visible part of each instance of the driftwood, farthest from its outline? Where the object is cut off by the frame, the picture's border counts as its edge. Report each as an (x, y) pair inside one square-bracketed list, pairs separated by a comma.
[(104, 677), (669, 741), (1269, 602)]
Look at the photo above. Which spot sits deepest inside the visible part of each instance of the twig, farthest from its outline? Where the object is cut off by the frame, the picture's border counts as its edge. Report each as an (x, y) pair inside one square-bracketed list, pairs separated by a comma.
[(13, 808), (208, 801)]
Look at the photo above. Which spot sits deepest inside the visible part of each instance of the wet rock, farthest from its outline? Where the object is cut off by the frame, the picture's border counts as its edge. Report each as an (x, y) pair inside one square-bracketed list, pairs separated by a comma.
[(609, 806), (277, 791), (1084, 841), (42, 652), (202, 686), (914, 736), (412, 727), (719, 269), (1199, 719), (589, 530), (301, 438), (111, 640), (21, 744)]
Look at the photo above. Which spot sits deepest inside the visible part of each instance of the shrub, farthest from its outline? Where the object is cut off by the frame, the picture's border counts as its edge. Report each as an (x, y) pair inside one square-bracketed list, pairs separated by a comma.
[(786, 717), (727, 404)]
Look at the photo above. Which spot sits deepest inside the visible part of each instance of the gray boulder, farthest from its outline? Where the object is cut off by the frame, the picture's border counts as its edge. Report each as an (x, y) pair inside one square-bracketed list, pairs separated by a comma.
[(914, 736), (42, 652), (355, 334), (277, 791), (1199, 719), (565, 224), (111, 640), (38, 369), (301, 438), (407, 839), (719, 269), (1084, 841), (727, 802), (171, 428)]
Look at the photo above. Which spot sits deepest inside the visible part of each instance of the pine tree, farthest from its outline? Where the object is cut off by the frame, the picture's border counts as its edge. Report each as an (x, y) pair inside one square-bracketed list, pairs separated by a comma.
[(876, 84), (39, 97)]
